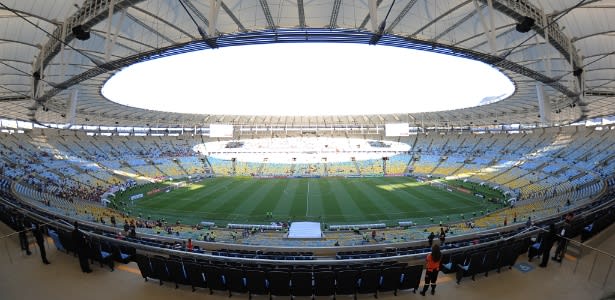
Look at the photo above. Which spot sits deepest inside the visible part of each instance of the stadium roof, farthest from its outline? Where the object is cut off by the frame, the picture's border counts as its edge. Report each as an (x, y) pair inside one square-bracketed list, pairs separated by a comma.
[(569, 50)]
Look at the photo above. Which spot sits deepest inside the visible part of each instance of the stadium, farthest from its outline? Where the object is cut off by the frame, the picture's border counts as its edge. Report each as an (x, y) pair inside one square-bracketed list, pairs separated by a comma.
[(307, 148)]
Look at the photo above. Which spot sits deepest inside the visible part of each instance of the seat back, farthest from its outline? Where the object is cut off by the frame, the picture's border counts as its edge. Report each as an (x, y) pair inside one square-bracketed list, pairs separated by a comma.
[(235, 280), (369, 281), (346, 282), (159, 266), (491, 260), (67, 240), (301, 283), (194, 272), (477, 263), (279, 283), (411, 277), (391, 278), (215, 279), (177, 272), (324, 283), (144, 266), (256, 282)]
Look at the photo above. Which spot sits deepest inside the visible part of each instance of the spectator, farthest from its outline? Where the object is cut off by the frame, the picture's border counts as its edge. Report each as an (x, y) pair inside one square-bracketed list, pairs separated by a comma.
[(442, 236), (430, 238), (82, 249), (23, 238), (189, 245), (562, 242), (545, 245), (432, 267), (133, 232), (568, 218), (37, 231)]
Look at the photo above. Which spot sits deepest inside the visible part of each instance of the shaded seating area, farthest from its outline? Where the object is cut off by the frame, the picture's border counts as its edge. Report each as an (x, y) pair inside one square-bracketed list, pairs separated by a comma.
[(484, 260), (281, 280)]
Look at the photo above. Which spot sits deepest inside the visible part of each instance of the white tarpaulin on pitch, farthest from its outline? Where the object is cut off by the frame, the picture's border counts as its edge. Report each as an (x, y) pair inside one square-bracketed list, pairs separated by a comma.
[(304, 230)]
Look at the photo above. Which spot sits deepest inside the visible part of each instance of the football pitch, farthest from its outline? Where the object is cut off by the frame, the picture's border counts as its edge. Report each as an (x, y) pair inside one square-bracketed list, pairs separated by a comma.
[(328, 200)]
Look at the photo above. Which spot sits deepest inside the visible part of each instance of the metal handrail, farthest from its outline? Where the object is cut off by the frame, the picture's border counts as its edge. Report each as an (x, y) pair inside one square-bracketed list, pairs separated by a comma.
[(25, 230)]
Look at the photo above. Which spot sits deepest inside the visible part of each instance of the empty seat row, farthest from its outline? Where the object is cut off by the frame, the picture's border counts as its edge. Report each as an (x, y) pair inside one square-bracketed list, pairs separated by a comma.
[(478, 261), (253, 279)]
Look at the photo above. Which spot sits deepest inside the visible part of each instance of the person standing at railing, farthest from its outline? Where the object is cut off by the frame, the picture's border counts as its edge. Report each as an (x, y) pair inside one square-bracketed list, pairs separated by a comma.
[(189, 245), (562, 242), (432, 267), (545, 245), (430, 238), (442, 236), (37, 231), (23, 238), (81, 248)]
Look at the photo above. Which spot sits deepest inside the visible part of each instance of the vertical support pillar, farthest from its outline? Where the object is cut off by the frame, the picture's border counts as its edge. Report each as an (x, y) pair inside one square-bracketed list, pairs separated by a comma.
[(571, 64), (62, 55), (547, 44), (544, 106), (492, 36), (108, 41), (373, 14), (71, 108), (488, 35), (213, 17)]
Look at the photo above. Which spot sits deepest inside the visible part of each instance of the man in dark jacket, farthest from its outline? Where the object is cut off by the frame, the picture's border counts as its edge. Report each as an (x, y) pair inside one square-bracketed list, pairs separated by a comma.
[(23, 238), (562, 242), (545, 245), (37, 231), (81, 248)]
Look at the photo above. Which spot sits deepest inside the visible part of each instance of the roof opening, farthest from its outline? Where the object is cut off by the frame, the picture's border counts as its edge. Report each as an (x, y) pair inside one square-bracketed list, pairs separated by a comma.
[(307, 79)]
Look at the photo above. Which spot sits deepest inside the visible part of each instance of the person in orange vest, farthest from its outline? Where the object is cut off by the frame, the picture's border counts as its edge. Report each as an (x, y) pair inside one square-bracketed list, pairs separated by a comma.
[(189, 245), (432, 267)]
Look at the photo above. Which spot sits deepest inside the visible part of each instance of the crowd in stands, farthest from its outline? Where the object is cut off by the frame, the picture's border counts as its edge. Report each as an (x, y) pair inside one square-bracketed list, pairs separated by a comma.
[(82, 167), (551, 165)]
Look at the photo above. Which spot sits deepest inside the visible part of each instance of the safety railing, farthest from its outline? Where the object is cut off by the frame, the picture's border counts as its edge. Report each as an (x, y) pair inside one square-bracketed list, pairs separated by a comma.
[(593, 264)]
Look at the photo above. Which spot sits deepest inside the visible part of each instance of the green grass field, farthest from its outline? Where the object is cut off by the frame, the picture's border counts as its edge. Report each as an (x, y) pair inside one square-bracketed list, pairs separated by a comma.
[(327, 200)]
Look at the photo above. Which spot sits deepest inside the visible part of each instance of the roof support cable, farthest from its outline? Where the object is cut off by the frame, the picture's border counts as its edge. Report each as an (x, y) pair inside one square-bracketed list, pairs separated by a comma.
[(94, 61), (27, 74)]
